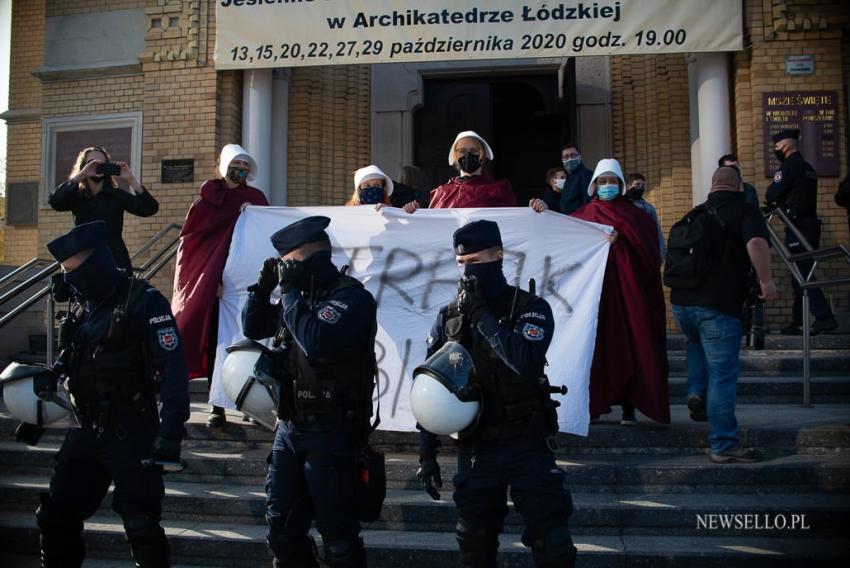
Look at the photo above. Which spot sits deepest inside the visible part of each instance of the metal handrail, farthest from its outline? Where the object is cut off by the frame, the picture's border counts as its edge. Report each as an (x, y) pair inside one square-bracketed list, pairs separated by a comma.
[(21, 268), (806, 281), (151, 242), (150, 268), (38, 277)]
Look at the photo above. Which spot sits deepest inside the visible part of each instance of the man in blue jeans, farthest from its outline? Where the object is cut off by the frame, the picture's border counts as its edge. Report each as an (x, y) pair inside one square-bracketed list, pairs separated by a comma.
[(709, 314)]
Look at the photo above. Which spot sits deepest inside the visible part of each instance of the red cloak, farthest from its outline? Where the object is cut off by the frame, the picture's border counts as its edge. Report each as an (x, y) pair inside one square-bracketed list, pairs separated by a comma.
[(475, 191), (630, 360), (201, 255)]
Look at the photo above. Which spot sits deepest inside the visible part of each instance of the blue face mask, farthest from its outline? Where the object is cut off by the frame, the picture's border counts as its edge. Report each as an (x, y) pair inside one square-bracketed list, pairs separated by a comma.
[(489, 276), (95, 277), (607, 192), (371, 195)]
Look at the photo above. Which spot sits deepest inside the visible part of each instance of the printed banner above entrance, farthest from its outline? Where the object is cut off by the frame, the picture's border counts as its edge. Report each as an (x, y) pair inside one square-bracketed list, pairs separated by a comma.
[(290, 33)]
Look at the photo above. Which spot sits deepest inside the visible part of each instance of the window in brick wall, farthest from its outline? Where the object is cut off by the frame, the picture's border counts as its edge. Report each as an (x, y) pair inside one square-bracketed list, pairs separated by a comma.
[(63, 138)]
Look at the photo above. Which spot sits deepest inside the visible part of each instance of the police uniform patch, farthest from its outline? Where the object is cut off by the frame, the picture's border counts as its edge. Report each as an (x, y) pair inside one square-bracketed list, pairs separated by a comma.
[(533, 332), (777, 177), (329, 314), (167, 337)]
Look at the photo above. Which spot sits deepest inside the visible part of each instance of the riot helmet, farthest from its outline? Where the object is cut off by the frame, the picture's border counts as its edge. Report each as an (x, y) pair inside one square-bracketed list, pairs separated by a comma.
[(248, 381), (443, 398), (33, 395)]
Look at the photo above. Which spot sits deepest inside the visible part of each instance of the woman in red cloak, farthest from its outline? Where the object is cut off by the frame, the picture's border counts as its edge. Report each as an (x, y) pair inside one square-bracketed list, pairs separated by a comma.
[(202, 253), (630, 360), (472, 188)]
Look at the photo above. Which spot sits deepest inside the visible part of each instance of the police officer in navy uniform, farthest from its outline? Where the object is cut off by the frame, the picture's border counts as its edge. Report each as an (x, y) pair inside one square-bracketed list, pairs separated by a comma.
[(507, 331), (327, 322), (119, 348), (795, 190)]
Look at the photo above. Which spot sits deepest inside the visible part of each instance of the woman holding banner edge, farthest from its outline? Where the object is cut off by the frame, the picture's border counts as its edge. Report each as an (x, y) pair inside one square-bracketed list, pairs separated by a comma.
[(472, 188)]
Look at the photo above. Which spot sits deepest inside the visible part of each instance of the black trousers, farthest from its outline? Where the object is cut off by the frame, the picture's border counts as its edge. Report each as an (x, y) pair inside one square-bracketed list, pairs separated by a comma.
[(810, 227)]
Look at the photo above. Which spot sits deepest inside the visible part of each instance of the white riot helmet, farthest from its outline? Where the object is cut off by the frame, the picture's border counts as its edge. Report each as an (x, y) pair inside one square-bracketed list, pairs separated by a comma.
[(248, 381), (443, 398), (32, 395)]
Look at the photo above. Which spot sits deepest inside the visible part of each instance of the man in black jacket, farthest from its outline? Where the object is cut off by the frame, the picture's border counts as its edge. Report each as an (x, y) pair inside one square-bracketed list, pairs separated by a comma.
[(795, 190)]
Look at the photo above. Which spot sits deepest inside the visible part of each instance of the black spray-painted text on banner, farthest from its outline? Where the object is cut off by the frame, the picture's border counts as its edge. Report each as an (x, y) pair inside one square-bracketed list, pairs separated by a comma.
[(272, 33)]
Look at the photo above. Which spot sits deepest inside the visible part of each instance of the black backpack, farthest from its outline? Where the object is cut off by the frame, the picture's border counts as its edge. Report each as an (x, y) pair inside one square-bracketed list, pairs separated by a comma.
[(689, 250)]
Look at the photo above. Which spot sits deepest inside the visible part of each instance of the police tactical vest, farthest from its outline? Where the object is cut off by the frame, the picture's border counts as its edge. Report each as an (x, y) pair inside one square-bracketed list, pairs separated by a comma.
[(512, 405), (117, 369), (333, 388)]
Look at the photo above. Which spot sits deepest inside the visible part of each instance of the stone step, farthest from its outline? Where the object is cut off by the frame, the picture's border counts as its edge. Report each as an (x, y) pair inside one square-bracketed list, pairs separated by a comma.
[(784, 389), (776, 362), (773, 341), (412, 510), (210, 544), (774, 428), (233, 464)]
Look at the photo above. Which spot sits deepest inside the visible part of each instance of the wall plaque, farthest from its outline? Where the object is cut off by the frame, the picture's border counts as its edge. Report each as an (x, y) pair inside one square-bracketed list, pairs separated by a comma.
[(815, 113), (178, 171)]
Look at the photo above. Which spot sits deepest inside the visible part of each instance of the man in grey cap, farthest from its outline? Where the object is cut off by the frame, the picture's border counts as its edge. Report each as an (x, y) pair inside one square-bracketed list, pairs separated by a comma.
[(795, 190)]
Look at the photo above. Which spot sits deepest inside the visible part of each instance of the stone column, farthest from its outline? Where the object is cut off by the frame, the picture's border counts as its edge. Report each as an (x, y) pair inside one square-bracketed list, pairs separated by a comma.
[(710, 115), (257, 123)]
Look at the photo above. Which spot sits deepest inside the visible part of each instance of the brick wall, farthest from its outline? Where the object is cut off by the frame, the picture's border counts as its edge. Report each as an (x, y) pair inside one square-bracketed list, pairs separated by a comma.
[(775, 30), (649, 104), (24, 135), (328, 132), (190, 111), (650, 112)]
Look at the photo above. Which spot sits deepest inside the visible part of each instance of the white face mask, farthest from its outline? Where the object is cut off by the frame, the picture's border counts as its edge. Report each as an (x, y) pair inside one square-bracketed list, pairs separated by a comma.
[(559, 183)]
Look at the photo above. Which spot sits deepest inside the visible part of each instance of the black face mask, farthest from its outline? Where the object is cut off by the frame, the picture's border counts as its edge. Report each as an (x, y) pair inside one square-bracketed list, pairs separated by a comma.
[(319, 266), (780, 155), (489, 276), (635, 193), (469, 163), (95, 278)]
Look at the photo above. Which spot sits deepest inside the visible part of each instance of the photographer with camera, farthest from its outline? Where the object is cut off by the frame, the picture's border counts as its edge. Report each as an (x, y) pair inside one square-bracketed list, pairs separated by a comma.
[(99, 189)]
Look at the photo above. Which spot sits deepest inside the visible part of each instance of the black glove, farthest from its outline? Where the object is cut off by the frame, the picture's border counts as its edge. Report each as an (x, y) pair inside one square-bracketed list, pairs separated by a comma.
[(268, 275), (165, 450), (469, 301), (429, 474), (291, 275), (28, 433)]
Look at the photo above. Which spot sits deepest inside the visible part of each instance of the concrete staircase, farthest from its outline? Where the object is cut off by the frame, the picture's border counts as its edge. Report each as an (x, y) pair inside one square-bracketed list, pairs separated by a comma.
[(644, 496)]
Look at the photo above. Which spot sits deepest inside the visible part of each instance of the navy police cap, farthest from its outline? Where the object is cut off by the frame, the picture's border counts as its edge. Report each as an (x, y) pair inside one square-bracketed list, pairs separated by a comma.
[(784, 134), (80, 238), (476, 236), (303, 231)]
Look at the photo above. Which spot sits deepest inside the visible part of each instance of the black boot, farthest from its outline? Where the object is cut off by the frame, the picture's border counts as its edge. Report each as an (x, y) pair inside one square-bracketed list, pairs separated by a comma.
[(291, 551), (147, 541), (61, 539), (217, 418)]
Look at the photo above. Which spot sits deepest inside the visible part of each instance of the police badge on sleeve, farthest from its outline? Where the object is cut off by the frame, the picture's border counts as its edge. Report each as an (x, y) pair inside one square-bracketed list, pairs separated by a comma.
[(167, 337), (329, 314), (533, 332)]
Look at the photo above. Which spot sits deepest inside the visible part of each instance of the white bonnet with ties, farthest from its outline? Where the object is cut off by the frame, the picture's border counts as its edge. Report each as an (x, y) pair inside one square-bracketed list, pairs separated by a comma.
[(607, 166), (236, 152), (470, 134), (372, 172)]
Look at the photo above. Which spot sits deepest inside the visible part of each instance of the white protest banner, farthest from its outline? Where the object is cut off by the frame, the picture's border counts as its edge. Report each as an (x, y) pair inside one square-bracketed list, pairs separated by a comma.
[(407, 263), (291, 33)]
